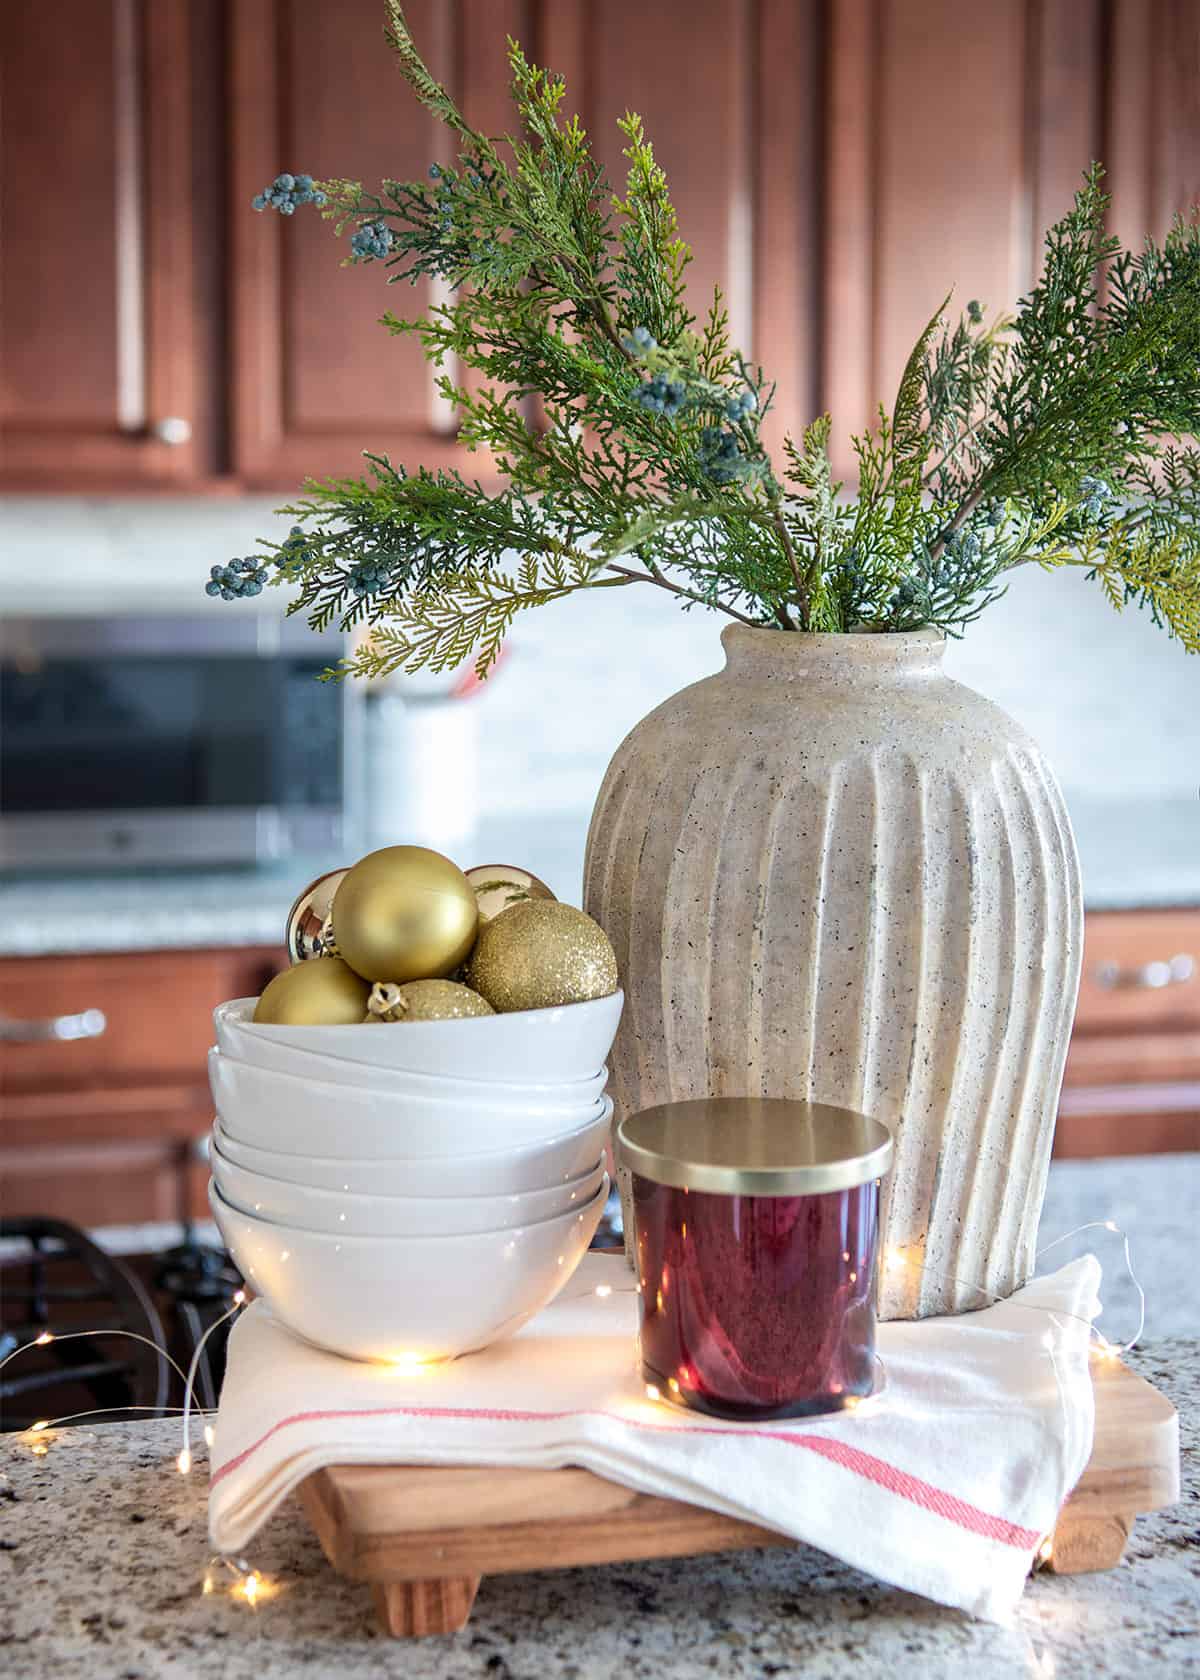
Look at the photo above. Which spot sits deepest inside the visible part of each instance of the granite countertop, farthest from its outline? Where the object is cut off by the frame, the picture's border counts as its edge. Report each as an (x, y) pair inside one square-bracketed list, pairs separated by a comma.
[(104, 1552)]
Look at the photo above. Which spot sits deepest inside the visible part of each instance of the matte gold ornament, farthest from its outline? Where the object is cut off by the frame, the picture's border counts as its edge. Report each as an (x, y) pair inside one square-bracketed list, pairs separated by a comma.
[(498, 886), (404, 913), (425, 1000), (308, 932), (540, 954), (323, 992)]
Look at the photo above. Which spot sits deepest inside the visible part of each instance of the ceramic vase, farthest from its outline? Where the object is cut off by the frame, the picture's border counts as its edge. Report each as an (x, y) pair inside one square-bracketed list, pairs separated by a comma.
[(830, 872)]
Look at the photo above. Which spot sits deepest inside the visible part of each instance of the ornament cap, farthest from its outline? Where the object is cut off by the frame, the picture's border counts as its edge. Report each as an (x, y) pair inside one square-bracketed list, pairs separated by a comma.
[(754, 1146)]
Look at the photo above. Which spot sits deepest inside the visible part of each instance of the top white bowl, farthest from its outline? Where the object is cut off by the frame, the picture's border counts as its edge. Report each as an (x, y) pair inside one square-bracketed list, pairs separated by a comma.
[(545, 1046)]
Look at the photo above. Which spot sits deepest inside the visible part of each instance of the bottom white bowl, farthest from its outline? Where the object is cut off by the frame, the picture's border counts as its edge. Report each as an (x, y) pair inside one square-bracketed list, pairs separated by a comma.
[(404, 1300)]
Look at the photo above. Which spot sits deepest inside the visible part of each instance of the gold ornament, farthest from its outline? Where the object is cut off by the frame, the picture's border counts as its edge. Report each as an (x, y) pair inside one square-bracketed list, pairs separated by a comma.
[(404, 913), (425, 1000), (499, 885), (308, 932), (540, 954), (323, 992)]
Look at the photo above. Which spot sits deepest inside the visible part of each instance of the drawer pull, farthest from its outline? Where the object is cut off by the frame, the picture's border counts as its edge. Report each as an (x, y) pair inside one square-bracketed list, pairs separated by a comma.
[(89, 1023), (1150, 977)]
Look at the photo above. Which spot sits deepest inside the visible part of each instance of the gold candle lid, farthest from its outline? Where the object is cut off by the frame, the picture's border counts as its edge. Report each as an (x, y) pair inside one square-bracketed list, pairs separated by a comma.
[(754, 1146)]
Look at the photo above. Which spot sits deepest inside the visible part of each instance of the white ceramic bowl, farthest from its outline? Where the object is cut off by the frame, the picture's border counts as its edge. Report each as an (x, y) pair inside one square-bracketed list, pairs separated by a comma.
[(334, 1070), (529, 1166), (276, 1111), (346, 1214), (406, 1299), (543, 1045), (290, 1068)]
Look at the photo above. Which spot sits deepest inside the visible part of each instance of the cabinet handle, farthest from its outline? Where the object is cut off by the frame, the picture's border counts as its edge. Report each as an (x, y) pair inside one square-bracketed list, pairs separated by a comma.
[(89, 1023), (173, 430), (1149, 977)]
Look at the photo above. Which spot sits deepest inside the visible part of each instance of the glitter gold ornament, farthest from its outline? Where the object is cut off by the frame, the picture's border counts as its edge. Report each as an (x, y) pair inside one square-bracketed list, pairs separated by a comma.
[(425, 1000), (539, 954), (404, 913), (324, 992), (308, 932), (497, 886)]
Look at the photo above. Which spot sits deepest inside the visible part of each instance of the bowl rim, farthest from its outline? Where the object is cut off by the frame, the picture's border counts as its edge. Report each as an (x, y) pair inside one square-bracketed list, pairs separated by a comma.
[(268, 1028), (301, 1232), (563, 1138), (537, 1088), (320, 1191), (518, 1225)]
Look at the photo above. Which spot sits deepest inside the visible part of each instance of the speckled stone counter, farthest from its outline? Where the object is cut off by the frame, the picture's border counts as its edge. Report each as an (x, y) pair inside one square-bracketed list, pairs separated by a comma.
[(103, 1556)]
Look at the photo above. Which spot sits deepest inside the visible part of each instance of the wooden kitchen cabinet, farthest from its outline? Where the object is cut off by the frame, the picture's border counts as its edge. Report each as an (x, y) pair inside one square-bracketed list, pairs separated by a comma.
[(837, 164), (98, 329), (105, 1130), (1133, 1073)]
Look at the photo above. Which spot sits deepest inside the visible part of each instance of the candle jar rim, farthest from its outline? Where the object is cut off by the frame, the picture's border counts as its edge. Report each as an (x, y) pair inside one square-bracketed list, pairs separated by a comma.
[(754, 1146)]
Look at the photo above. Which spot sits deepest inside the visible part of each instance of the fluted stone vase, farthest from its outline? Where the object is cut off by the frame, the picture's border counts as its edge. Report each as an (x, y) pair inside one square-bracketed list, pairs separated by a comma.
[(830, 872)]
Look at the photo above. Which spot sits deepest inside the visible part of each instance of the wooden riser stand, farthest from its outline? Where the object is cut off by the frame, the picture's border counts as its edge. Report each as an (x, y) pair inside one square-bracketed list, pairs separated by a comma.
[(424, 1538)]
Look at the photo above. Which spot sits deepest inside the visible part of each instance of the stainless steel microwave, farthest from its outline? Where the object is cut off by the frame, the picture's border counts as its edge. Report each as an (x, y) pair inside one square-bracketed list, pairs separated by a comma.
[(206, 739)]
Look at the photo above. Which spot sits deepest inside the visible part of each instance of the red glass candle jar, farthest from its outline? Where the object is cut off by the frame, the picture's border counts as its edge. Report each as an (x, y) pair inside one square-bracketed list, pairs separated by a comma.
[(756, 1224)]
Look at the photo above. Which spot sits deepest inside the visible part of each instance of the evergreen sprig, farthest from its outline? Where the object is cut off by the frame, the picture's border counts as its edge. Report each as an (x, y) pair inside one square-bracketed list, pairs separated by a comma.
[(629, 437)]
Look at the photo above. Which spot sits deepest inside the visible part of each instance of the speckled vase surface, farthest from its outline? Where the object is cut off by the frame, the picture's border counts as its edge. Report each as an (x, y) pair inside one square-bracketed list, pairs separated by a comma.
[(830, 872)]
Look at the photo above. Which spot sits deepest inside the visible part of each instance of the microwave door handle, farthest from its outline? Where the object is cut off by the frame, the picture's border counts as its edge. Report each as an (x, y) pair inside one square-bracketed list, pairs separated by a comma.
[(89, 1023)]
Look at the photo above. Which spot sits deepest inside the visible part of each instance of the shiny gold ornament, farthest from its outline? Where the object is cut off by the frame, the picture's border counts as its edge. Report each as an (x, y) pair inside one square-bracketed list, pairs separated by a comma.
[(425, 1000), (323, 992), (540, 954), (404, 913), (497, 886), (308, 932)]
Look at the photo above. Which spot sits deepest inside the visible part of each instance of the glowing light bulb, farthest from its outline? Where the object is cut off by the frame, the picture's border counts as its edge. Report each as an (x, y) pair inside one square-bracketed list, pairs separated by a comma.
[(1046, 1550), (36, 1428), (184, 1462), (43, 1339), (652, 1393), (604, 1290), (673, 1385), (240, 1298), (209, 1435)]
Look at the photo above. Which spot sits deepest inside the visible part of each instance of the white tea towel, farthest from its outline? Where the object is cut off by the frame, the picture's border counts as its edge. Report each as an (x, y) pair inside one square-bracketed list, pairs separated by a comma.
[(945, 1483)]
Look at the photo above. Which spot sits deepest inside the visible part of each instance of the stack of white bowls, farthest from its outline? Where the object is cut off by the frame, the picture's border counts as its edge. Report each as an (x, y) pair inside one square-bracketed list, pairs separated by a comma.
[(413, 1191)]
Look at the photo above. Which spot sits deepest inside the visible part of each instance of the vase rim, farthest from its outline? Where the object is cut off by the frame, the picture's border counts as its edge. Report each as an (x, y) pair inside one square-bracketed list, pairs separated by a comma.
[(811, 650)]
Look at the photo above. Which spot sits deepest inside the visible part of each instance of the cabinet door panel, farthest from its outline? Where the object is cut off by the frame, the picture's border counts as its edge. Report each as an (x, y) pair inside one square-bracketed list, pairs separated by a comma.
[(317, 379), (95, 264)]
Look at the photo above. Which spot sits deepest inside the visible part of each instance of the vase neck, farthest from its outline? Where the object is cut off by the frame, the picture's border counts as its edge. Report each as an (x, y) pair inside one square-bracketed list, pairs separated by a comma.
[(851, 660)]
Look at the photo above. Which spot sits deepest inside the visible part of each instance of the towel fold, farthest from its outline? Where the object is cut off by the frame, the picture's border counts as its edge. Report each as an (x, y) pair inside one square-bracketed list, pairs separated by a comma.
[(944, 1483)]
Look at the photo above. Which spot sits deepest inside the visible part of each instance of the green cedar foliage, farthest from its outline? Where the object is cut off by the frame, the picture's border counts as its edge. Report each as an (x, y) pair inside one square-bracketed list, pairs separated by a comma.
[(628, 435)]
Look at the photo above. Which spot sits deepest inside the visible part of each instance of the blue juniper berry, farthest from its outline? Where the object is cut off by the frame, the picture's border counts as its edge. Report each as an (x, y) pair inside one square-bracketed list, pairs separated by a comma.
[(368, 576), (371, 241), (661, 395), (741, 405), (720, 457), (639, 342), (286, 192), (240, 578), (975, 312), (1094, 493)]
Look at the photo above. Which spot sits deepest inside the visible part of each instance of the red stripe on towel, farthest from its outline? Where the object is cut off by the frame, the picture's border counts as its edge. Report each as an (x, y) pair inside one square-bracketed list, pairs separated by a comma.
[(887, 1476)]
